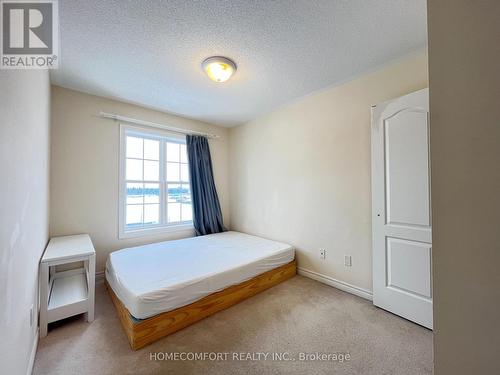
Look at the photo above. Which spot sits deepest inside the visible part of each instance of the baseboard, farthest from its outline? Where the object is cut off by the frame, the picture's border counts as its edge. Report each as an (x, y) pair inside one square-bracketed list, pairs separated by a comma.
[(31, 362), (360, 292), (99, 277)]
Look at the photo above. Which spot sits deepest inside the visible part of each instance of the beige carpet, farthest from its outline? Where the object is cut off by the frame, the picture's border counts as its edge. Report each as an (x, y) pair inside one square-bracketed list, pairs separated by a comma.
[(298, 316)]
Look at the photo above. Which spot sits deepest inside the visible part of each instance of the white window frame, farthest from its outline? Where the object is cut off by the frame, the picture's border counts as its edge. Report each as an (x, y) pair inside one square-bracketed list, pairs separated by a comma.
[(163, 227)]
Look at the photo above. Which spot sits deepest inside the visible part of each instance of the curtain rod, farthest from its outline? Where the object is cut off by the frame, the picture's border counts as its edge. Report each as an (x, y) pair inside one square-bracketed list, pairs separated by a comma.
[(114, 116)]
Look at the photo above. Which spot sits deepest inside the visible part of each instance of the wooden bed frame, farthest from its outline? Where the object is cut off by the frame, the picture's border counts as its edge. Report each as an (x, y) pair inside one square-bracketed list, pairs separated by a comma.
[(143, 332)]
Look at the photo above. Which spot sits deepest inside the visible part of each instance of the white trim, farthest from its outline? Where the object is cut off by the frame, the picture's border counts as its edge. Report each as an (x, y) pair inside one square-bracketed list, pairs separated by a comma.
[(31, 362), (160, 135), (121, 177), (342, 285), (147, 132), (156, 230)]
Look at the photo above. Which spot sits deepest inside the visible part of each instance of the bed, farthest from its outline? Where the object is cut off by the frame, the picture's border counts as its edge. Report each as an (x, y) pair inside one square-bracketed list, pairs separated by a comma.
[(162, 287)]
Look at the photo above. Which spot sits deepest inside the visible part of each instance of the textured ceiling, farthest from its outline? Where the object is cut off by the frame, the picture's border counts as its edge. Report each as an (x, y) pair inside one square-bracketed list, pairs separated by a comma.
[(149, 52)]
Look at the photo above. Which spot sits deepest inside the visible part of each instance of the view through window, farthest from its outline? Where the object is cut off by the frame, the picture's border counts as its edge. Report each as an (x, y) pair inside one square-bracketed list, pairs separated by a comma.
[(157, 191)]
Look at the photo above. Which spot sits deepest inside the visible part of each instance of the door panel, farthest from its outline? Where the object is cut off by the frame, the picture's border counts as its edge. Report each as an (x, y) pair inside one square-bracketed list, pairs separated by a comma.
[(409, 267), (402, 269), (407, 168)]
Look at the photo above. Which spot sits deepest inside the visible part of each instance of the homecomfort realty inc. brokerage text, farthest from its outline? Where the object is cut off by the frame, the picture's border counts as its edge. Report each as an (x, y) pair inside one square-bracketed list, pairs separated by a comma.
[(249, 356)]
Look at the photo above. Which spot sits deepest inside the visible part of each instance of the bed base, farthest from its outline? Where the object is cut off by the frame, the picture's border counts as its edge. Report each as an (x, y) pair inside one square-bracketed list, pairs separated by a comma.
[(143, 332)]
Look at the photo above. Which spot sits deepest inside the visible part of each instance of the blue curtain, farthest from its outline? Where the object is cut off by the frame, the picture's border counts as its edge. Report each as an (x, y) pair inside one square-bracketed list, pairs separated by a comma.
[(207, 215)]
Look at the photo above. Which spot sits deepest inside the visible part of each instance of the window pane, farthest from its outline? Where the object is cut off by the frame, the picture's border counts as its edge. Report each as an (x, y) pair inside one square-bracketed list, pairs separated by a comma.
[(151, 170), (174, 212), (186, 209), (184, 157), (174, 193), (172, 151), (144, 202), (151, 214), (134, 215), (134, 193), (134, 147), (151, 193), (151, 149), (187, 213), (173, 172), (186, 193), (134, 169), (184, 172)]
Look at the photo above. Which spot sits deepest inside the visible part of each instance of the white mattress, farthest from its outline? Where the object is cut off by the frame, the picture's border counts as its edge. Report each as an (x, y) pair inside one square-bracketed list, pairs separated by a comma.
[(163, 276)]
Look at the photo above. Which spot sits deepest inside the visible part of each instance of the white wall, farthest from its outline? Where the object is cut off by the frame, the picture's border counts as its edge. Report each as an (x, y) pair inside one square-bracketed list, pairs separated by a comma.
[(302, 173), (84, 168), (24, 197), (464, 61)]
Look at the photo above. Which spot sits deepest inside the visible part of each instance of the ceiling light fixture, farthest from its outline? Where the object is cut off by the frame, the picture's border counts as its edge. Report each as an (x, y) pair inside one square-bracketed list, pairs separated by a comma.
[(218, 68)]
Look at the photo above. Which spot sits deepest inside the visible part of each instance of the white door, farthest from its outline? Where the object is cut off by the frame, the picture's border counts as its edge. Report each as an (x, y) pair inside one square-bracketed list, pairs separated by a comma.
[(402, 270)]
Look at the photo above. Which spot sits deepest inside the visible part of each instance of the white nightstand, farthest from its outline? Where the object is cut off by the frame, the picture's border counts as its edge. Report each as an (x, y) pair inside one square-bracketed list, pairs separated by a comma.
[(67, 293)]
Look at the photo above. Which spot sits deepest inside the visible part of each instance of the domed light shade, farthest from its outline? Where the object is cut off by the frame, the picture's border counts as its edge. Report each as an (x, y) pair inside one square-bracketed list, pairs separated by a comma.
[(219, 69)]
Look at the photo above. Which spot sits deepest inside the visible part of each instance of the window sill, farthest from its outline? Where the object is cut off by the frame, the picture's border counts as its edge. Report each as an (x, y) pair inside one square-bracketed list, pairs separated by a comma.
[(155, 231)]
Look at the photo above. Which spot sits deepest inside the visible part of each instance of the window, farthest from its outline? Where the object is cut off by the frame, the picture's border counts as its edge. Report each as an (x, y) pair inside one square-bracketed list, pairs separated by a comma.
[(154, 182)]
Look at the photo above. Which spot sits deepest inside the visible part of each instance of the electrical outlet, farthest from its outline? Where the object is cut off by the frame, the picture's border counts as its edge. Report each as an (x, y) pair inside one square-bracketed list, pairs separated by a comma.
[(31, 316), (322, 253), (347, 260)]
